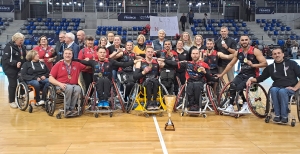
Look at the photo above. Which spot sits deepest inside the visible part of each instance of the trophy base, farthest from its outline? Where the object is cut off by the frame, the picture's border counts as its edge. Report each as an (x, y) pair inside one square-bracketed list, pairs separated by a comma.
[(169, 126)]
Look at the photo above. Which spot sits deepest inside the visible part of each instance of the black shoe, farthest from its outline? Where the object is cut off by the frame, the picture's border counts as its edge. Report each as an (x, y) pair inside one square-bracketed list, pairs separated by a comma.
[(276, 119), (284, 120), (194, 108)]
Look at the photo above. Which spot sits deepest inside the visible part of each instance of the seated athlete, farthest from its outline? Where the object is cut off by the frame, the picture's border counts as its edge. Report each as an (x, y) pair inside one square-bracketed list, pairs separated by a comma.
[(197, 72), (147, 71), (102, 74)]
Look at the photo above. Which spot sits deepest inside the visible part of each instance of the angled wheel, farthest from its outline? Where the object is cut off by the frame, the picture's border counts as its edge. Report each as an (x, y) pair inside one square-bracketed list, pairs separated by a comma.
[(132, 97), (223, 98), (180, 98), (22, 96), (297, 99), (211, 98), (50, 100), (220, 86), (119, 96), (257, 100)]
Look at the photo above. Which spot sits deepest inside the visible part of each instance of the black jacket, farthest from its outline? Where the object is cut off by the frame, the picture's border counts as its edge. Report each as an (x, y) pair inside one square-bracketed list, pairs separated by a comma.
[(29, 73), (11, 56), (58, 52), (283, 74)]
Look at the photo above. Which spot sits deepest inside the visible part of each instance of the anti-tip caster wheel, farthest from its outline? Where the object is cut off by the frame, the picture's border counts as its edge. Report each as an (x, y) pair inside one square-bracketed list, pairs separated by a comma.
[(182, 114), (58, 116), (110, 114), (293, 123), (96, 115), (204, 115), (236, 116), (221, 113), (267, 120), (30, 109)]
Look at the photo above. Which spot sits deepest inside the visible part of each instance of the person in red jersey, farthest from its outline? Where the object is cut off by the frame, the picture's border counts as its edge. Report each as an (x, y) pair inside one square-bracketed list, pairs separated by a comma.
[(64, 75), (45, 52), (251, 60), (89, 51), (197, 72)]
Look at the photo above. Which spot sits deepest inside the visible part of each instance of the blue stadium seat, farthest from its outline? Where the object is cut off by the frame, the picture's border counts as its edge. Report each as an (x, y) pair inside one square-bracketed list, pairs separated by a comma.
[(199, 21), (64, 27), (77, 24), (98, 32), (278, 24), (39, 19), (226, 21), (124, 37), (263, 20), (119, 32), (75, 28), (28, 27), (208, 29), (140, 28), (103, 32), (63, 19), (274, 20), (244, 24), (30, 32), (194, 33), (96, 43), (115, 28), (120, 28), (99, 28), (282, 28), (231, 20), (280, 42), (27, 42), (51, 23), (49, 19), (59, 28), (258, 21), (292, 37), (124, 32), (222, 20), (271, 28), (193, 28), (134, 28), (66, 24), (275, 32), (196, 25), (212, 20), (288, 29), (220, 24), (273, 24), (109, 28), (46, 23), (266, 29), (57, 32)]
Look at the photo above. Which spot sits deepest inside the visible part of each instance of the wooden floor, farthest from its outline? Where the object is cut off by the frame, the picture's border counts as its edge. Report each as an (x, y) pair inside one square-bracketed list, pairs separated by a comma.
[(22, 132)]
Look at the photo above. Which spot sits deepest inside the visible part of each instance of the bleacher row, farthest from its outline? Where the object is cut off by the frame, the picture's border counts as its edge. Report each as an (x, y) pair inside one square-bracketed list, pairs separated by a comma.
[(277, 30), (35, 26), (4, 22)]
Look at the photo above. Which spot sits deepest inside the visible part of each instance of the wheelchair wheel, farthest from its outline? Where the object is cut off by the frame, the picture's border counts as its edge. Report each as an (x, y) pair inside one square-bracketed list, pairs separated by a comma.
[(180, 98), (211, 98), (132, 97), (50, 103), (220, 86), (223, 98), (297, 99), (22, 95), (119, 96), (257, 100)]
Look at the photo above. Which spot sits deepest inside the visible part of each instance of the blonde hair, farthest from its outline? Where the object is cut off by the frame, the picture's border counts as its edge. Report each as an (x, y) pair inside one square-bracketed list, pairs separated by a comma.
[(189, 42), (17, 36), (102, 38), (31, 54), (194, 42), (141, 36)]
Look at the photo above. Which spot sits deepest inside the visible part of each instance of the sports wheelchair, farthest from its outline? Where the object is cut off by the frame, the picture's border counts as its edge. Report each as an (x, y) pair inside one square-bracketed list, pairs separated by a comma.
[(256, 97), (293, 99), (56, 96), (123, 80), (22, 96), (91, 100), (137, 100)]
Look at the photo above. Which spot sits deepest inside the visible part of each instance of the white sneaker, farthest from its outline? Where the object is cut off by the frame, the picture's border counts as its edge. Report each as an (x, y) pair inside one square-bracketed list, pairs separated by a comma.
[(244, 109), (41, 102), (229, 108), (13, 105)]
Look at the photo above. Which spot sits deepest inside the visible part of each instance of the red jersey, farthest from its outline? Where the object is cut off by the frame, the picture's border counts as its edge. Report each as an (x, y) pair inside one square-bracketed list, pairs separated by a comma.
[(90, 53), (45, 54), (60, 72), (192, 70)]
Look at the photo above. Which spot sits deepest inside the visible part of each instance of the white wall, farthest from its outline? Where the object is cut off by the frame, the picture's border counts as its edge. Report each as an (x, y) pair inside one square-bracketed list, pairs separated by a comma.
[(7, 15)]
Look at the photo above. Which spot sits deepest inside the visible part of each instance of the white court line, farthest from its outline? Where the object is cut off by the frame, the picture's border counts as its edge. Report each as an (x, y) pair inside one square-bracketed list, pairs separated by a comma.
[(161, 139)]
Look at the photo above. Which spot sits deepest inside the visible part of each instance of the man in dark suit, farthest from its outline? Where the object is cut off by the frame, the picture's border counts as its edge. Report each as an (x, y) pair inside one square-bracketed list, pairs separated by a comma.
[(69, 40), (60, 46)]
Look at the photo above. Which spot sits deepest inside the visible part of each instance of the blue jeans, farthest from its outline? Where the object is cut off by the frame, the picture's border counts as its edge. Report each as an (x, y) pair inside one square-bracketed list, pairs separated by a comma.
[(38, 85), (294, 55), (280, 99), (289, 51)]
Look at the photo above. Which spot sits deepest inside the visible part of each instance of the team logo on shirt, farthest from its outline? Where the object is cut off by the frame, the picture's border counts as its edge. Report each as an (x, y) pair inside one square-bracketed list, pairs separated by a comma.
[(74, 68), (63, 68)]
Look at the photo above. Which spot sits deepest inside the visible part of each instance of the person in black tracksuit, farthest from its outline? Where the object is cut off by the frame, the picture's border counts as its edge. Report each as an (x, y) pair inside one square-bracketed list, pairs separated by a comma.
[(285, 74), (102, 73), (13, 57), (180, 73)]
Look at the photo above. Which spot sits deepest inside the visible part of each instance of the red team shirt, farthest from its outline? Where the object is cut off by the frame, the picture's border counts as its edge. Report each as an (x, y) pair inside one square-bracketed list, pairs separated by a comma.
[(60, 73), (88, 53), (45, 54)]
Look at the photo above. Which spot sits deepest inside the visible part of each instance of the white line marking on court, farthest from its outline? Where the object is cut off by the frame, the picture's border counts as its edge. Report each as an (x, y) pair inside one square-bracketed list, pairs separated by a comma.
[(161, 139)]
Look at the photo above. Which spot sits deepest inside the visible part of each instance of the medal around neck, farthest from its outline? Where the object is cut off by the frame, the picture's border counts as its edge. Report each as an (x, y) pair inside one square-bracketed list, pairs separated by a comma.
[(69, 77), (245, 60), (100, 74), (199, 70)]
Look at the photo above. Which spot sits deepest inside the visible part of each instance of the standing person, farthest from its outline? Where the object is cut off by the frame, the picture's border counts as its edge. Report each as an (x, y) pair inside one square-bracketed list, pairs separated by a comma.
[(197, 43), (267, 52), (295, 51), (251, 60), (180, 73), (13, 57), (158, 44), (191, 17), (81, 38), (226, 45), (110, 37), (285, 74), (115, 53), (183, 20), (205, 20), (248, 13), (288, 45), (60, 46), (89, 52), (103, 43), (140, 48), (187, 40), (69, 40), (45, 52)]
